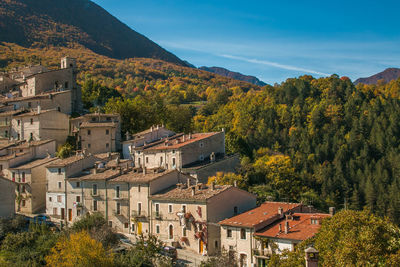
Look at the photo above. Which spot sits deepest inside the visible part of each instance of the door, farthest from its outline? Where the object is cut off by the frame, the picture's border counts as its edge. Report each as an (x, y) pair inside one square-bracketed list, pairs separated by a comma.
[(70, 215), (243, 260), (62, 213), (139, 228)]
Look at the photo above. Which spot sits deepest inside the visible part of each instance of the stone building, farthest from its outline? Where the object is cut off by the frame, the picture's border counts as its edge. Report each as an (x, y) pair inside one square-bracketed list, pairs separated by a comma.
[(58, 200), (40, 125), (188, 215), (97, 133), (155, 133), (30, 189), (7, 198)]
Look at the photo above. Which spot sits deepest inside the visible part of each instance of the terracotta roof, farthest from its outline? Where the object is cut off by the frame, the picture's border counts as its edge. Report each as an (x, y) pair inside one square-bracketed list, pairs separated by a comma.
[(139, 177), (11, 156), (300, 228), (33, 164), (35, 113), (34, 143), (104, 156), (66, 161), (185, 194), (266, 211), (179, 141), (100, 175), (97, 124)]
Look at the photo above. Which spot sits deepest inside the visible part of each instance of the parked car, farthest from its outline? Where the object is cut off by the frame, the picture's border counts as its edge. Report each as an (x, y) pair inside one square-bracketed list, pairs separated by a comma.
[(124, 240), (41, 218), (170, 252)]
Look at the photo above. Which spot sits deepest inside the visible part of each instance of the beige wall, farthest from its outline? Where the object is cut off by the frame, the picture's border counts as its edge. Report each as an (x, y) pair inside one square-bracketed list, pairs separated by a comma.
[(96, 142), (7, 198), (120, 222)]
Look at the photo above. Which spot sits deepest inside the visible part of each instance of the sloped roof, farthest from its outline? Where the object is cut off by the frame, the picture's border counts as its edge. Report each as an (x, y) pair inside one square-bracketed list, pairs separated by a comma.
[(176, 142), (140, 177), (33, 164), (300, 227), (264, 212)]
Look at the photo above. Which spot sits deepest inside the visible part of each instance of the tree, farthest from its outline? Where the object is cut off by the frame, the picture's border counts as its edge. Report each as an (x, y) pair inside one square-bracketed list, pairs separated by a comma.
[(225, 258), (79, 249), (229, 178)]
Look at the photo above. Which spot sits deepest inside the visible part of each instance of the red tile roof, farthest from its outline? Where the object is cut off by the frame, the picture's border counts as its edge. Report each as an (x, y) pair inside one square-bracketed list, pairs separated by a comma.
[(300, 228), (254, 217), (176, 142)]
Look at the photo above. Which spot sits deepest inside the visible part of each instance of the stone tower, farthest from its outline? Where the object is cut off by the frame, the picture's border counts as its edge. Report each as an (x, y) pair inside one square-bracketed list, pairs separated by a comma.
[(70, 64)]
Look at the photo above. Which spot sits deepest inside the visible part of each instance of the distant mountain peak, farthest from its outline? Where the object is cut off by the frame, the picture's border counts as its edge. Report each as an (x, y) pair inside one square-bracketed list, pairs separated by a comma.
[(387, 75), (234, 75), (59, 23)]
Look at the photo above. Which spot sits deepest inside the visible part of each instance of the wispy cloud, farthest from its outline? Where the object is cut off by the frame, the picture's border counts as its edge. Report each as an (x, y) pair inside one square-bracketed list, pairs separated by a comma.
[(274, 64)]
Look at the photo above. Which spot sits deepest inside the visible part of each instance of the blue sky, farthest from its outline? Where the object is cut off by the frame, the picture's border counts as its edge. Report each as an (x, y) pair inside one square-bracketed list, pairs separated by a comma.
[(273, 40)]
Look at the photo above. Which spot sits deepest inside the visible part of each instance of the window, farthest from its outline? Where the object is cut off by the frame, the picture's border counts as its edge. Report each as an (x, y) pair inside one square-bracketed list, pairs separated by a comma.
[(110, 223), (139, 162), (13, 176), (117, 191), (59, 185), (18, 122), (107, 145), (173, 162), (201, 157), (184, 208), (78, 212), (94, 189), (23, 203), (108, 118), (157, 229), (107, 132), (133, 227), (31, 121), (216, 244), (171, 231), (59, 170), (89, 132), (23, 189), (157, 209), (55, 211), (118, 211), (50, 199), (78, 199), (138, 188), (31, 136), (94, 205), (88, 145), (78, 184), (29, 104), (229, 233), (147, 159), (19, 136), (170, 208), (184, 231), (161, 161), (126, 225), (201, 144), (66, 85), (242, 233), (59, 199), (93, 119), (23, 177), (139, 208), (235, 210)]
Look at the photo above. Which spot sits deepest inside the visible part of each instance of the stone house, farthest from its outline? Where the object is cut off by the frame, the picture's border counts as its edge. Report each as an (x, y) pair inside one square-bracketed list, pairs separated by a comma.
[(5, 123), (97, 133), (237, 232), (179, 150), (7, 198), (30, 189), (61, 194), (38, 149), (188, 215), (41, 125), (155, 133)]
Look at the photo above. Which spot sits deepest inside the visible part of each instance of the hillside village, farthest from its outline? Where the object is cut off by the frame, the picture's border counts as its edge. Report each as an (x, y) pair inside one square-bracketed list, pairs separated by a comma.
[(153, 182)]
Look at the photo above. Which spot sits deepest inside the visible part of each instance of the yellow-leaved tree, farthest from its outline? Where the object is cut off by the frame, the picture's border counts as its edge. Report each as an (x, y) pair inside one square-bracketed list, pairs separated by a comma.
[(79, 249)]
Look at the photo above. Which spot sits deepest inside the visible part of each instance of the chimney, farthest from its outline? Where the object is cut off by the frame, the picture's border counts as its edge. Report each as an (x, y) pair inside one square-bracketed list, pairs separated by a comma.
[(193, 190), (280, 211), (235, 183), (188, 182), (213, 185), (190, 136), (280, 228), (95, 170), (183, 138), (151, 128), (286, 227), (332, 211), (39, 109)]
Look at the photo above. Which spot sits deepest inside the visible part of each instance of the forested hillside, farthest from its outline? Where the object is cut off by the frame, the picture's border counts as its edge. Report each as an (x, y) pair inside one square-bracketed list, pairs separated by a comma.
[(62, 23), (322, 141)]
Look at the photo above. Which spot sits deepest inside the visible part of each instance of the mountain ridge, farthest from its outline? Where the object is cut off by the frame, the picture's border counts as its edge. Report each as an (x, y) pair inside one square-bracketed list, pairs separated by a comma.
[(387, 75), (234, 75), (43, 23)]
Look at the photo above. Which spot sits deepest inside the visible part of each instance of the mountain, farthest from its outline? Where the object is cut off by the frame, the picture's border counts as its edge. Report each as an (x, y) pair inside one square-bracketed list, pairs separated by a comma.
[(44, 23), (234, 75), (386, 75)]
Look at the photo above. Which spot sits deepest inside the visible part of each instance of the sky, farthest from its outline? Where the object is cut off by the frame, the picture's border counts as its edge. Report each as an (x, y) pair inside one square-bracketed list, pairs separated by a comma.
[(272, 40)]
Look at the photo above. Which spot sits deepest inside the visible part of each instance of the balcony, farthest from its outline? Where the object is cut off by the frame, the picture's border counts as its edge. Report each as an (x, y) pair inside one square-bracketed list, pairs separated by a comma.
[(138, 214), (157, 215), (266, 252)]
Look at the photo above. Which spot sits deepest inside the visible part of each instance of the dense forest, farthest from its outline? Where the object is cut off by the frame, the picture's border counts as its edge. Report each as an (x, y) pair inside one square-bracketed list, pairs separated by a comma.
[(322, 141)]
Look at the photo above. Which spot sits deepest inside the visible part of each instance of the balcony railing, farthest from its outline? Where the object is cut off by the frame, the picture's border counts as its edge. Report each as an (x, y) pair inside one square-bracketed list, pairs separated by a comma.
[(138, 214), (262, 252), (157, 215)]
